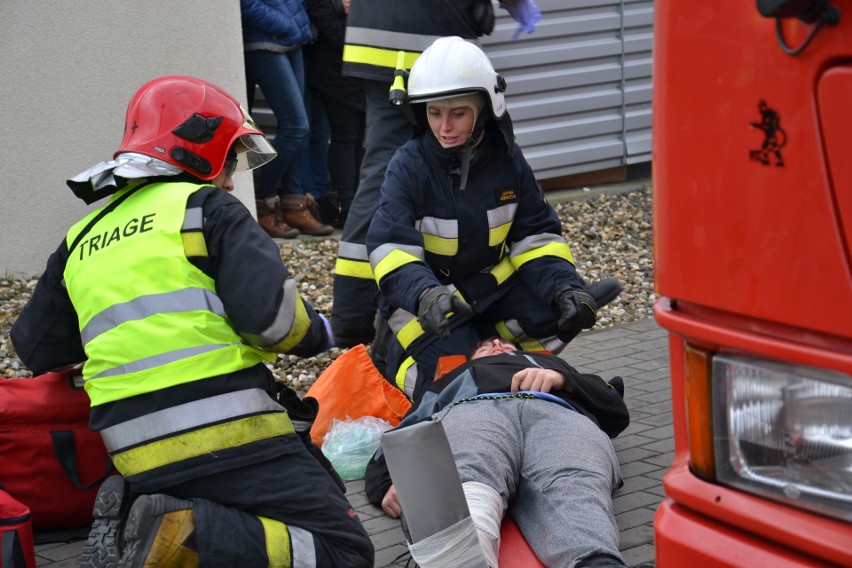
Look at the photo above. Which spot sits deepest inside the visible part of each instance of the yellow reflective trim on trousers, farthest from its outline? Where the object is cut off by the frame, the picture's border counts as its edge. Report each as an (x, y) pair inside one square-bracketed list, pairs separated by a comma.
[(203, 441), (504, 332), (298, 331), (353, 268), (532, 345), (560, 250), (409, 332), (377, 56), (440, 245), (498, 234), (392, 261), (402, 372), (194, 244), (278, 548), (503, 270)]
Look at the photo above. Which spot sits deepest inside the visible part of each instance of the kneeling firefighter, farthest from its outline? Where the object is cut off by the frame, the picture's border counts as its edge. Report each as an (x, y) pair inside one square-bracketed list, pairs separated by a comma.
[(176, 299), (464, 245)]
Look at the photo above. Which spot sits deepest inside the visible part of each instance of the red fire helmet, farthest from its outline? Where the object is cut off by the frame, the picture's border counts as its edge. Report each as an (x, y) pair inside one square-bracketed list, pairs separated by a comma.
[(192, 124)]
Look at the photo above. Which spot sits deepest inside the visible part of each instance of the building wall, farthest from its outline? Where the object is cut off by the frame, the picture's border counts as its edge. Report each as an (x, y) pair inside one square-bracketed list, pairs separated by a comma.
[(68, 71)]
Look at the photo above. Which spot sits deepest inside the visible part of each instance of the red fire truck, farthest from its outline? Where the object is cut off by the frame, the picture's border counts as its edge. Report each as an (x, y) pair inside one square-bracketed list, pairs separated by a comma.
[(752, 182)]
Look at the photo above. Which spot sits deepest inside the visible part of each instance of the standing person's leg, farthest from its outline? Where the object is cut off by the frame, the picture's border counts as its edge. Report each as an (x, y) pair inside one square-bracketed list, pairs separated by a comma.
[(354, 307), (281, 78), (246, 516), (563, 505), (295, 205), (273, 73), (345, 152)]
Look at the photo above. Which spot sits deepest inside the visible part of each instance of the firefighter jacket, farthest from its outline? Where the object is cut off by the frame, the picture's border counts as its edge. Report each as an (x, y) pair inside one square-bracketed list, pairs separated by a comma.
[(428, 232), (491, 377), (175, 298), (377, 30)]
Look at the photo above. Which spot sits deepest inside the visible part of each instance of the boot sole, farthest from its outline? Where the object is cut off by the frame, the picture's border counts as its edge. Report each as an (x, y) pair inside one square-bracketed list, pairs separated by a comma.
[(103, 547)]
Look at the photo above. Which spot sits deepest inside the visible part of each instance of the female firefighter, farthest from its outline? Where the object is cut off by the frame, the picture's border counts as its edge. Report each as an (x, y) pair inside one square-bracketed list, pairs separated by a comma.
[(464, 245)]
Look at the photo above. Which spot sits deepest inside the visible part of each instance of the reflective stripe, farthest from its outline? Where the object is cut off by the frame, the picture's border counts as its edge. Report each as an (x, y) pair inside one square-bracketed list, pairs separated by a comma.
[(157, 360), (440, 236), (183, 300), (187, 416), (446, 228), (194, 219), (405, 326), (499, 223), (386, 249), (389, 257), (534, 242), (511, 330), (503, 270), (389, 40), (441, 246), (302, 545), (406, 376), (376, 56), (352, 251), (279, 549), (353, 268), (194, 244), (298, 329), (286, 319), (558, 248), (202, 441)]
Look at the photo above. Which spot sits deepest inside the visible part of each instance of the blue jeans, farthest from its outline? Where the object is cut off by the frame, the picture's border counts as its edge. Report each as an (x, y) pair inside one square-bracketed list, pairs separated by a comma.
[(281, 77), (315, 152)]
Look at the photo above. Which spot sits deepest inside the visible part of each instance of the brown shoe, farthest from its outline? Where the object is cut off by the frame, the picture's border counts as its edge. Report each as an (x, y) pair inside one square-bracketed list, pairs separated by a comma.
[(270, 217), (296, 214)]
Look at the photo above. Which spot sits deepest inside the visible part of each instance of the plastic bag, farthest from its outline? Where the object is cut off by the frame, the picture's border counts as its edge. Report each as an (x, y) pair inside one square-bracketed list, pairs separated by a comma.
[(349, 444)]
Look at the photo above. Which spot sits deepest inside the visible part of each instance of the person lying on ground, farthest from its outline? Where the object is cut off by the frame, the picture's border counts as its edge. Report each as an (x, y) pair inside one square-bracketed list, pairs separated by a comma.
[(530, 436)]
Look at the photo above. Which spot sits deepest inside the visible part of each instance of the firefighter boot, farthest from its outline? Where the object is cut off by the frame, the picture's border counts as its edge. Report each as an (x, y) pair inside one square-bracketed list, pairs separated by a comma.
[(160, 531), (270, 217), (297, 214), (103, 547)]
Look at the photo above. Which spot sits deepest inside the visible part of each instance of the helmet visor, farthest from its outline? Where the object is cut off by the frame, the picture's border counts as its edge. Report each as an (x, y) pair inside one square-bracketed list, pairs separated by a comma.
[(253, 151)]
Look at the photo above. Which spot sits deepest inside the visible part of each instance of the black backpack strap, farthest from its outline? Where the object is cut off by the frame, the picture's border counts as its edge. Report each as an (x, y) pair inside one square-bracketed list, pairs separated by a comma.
[(66, 452)]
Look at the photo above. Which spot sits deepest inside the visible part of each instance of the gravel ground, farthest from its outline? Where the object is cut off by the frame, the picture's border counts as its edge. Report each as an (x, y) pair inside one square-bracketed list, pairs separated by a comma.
[(610, 236)]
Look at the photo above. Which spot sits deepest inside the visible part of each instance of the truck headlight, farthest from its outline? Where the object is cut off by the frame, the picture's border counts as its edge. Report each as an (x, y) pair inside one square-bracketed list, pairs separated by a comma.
[(784, 432)]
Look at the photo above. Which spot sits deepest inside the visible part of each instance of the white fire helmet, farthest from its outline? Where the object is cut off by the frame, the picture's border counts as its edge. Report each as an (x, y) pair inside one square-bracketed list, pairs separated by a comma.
[(452, 67)]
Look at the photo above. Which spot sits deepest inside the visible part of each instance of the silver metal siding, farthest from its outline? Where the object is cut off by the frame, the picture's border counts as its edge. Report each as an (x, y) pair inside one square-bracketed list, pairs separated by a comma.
[(579, 87)]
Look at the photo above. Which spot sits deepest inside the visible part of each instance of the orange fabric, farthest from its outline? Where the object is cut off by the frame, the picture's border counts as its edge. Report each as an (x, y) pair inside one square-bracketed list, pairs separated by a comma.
[(352, 387), (447, 363)]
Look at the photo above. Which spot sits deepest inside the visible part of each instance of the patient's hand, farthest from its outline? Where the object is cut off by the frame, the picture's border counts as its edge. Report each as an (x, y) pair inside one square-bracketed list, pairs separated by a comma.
[(537, 379), (390, 503)]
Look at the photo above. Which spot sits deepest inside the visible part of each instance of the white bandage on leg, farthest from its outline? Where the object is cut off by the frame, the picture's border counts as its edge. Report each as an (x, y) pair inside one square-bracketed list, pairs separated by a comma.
[(486, 510), (456, 546)]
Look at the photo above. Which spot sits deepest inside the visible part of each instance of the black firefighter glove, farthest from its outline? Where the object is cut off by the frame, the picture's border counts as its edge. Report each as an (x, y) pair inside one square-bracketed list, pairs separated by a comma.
[(436, 304), (302, 413), (578, 309)]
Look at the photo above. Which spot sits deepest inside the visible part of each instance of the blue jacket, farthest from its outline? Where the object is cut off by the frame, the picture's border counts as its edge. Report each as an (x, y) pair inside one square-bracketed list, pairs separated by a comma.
[(282, 22)]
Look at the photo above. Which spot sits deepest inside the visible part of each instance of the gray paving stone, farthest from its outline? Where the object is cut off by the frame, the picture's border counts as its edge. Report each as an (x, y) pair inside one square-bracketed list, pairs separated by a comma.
[(637, 351)]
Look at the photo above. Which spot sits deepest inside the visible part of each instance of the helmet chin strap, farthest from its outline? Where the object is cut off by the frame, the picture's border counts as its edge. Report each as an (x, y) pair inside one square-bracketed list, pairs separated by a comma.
[(472, 140)]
